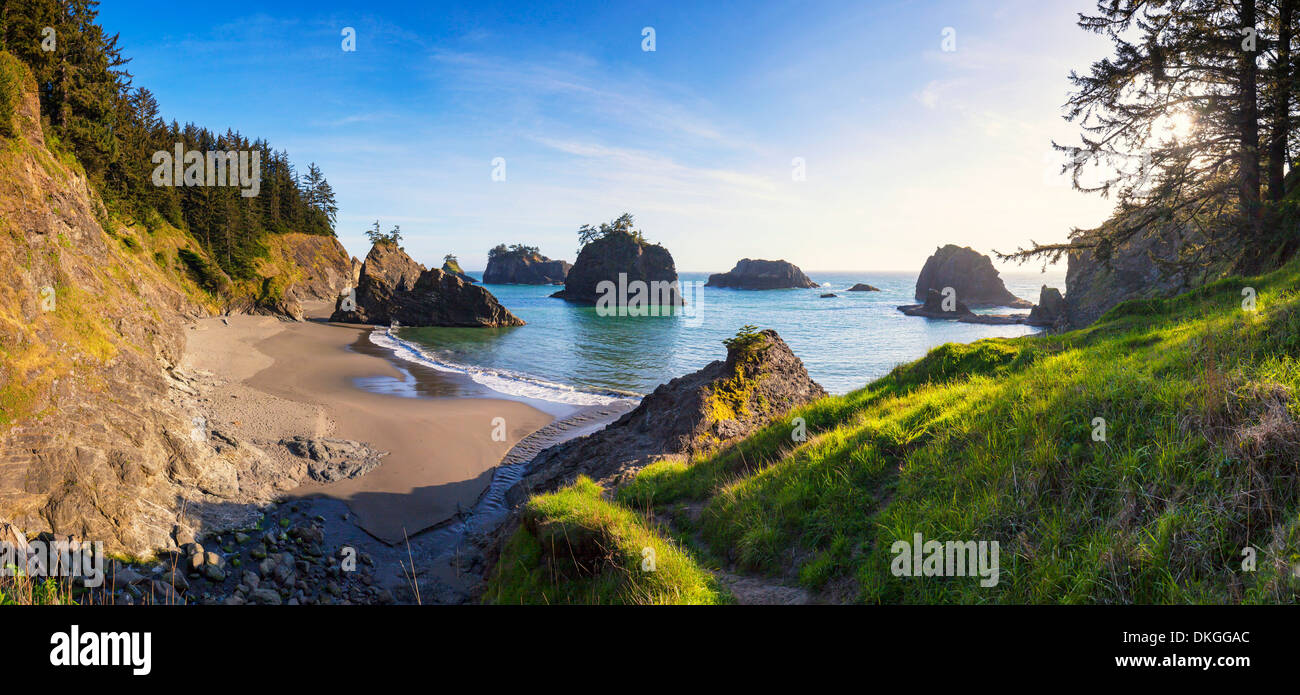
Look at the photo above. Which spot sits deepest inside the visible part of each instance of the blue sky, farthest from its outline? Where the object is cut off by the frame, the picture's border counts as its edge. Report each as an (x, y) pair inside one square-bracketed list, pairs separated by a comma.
[(905, 146)]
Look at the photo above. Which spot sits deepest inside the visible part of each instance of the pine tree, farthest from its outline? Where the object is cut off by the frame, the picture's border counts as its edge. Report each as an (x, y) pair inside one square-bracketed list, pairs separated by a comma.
[(1183, 58)]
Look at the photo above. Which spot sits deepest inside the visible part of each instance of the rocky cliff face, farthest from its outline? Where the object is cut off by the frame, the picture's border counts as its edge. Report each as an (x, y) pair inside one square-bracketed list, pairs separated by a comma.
[(100, 435), (1093, 286), (606, 258), (699, 412), (525, 269), (298, 268), (970, 273), (761, 275), (392, 287)]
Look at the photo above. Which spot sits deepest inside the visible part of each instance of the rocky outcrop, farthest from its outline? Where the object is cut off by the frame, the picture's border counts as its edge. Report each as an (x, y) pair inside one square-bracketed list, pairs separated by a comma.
[(1050, 309), (1093, 286), (752, 274), (863, 287), (621, 254), (297, 268), (389, 264), (100, 436), (970, 273), (699, 412), (933, 309), (524, 268), (356, 271), (393, 287), (453, 268), (330, 460)]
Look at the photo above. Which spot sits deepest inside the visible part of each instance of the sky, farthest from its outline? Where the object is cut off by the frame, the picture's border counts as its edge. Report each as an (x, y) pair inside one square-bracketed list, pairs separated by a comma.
[(835, 135)]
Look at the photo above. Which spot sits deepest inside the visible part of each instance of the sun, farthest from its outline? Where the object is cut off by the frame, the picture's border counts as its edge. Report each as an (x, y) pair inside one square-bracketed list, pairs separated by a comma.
[(1176, 126)]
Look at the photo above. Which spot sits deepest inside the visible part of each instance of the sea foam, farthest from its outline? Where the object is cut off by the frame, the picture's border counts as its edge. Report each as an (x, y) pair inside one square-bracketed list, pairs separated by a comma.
[(500, 380)]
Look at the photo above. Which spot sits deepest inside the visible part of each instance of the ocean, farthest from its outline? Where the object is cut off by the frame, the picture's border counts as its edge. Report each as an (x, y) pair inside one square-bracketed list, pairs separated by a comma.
[(569, 354)]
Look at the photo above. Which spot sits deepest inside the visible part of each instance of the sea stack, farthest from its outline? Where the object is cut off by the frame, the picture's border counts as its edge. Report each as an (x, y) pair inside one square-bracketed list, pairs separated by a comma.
[(523, 265), (451, 266), (392, 287), (756, 274), (621, 257), (971, 274), (1050, 309)]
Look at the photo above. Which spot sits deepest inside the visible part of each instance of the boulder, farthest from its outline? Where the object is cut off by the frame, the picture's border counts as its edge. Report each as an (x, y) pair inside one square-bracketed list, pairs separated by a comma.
[(331, 460), (621, 254), (393, 287), (1050, 308), (863, 287), (691, 414), (524, 267), (752, 274), (970, 273)]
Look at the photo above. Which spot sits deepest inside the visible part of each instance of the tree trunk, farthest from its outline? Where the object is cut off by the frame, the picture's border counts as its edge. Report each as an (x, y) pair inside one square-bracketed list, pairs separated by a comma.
[(1281, 107), (1248, 179)]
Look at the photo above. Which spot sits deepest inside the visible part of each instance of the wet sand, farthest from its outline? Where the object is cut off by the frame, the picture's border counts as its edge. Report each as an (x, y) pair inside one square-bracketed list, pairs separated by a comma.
[(326, 380)]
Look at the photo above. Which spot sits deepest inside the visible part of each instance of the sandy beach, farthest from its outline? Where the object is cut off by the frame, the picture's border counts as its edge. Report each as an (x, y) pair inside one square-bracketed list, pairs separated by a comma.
[(283, 379)]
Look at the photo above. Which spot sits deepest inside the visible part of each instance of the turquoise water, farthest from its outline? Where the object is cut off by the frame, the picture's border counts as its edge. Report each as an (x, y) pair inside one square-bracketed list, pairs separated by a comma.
[(568, 353)]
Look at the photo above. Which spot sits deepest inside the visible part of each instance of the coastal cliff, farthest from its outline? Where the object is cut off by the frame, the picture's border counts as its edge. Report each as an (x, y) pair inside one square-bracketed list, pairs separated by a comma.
[(101, 431), (1094, 285), (751, 274), (392, 287), (520, 265)]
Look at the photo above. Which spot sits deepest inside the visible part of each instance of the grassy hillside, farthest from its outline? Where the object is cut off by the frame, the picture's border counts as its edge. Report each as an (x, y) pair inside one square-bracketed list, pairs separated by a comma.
[(990, 441)]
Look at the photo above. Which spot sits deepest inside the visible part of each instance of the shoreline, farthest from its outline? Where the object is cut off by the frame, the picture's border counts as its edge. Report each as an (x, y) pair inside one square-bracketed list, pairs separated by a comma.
[(441, 482)]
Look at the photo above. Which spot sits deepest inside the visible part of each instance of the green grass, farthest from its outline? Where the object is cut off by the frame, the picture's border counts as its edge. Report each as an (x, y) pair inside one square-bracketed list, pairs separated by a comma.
[(993, 441), (574, 546), (12, 76)]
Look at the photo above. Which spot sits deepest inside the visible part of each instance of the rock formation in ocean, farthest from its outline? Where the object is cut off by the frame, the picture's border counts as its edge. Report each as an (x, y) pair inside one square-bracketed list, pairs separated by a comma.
[(520, 265), (754, 274), (621, 254), (452, 267), (1050, 309), (393, 287), (759, 380), (970, 273), (863, 287), (934, 307)]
